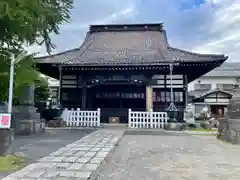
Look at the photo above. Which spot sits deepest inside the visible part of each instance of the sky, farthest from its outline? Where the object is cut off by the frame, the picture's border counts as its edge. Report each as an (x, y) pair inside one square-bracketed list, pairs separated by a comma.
[(204, 26)]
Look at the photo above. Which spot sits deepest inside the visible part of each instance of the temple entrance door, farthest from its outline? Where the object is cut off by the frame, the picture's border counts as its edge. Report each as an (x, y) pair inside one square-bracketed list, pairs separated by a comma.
[(115, 101)]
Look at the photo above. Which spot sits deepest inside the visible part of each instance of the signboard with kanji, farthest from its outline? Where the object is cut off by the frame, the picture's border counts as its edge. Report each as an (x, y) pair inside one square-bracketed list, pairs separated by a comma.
[(5, 121)]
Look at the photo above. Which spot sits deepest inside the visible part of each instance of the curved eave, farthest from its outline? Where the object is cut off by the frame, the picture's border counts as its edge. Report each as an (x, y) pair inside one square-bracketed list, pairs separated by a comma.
[(62, 57), (180, 54), (195, 73), (193, 70)]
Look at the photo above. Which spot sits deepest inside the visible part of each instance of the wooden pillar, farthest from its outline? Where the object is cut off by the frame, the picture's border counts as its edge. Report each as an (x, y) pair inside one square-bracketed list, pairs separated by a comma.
[(89, 98), (60, 87), (149, 101), (84, 95), (186, 89)]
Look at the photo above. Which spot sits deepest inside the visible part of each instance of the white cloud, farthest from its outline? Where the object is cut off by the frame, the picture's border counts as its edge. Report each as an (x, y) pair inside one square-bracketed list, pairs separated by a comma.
[(87, 13), (127, 12), (224, 33), (212, 27)]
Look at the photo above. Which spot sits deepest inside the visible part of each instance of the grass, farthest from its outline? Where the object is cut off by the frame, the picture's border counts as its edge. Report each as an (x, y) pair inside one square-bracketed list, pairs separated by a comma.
[(10, 163)]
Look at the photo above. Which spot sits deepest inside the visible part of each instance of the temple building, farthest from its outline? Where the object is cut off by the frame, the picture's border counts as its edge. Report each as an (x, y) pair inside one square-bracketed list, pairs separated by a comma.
[(121, 67)]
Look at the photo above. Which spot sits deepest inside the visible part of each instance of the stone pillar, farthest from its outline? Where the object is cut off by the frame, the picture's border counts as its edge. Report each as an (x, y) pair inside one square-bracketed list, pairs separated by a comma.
[(229, 127), (29, 120), (149, 95)]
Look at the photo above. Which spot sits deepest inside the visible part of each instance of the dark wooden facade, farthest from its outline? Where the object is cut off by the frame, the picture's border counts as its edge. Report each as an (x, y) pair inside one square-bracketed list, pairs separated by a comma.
[(117, 63)]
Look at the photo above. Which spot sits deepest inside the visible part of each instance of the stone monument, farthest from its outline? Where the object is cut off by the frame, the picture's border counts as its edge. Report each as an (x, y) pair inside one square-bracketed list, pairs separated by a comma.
[(25, 117), (229, 127)]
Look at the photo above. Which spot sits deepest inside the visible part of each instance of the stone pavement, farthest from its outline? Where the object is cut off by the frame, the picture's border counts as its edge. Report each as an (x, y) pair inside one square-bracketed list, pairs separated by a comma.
[(74, 161), (185, 157), (34, 147)]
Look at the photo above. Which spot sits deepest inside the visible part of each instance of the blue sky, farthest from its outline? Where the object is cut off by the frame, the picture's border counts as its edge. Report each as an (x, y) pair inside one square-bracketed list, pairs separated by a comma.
[(205, 26)]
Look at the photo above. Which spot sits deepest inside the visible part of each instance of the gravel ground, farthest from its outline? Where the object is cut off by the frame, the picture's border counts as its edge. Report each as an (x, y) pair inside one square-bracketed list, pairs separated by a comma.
[(144, 157)]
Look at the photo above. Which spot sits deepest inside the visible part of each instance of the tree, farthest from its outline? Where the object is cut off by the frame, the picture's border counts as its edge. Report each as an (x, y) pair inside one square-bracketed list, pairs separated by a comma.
[(25, 73), (32, 21), (42, 90), (27, 22)]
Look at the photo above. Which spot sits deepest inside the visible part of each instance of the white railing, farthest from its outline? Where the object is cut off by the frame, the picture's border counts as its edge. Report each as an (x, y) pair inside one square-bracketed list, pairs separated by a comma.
[(142, 119), (79, 118)]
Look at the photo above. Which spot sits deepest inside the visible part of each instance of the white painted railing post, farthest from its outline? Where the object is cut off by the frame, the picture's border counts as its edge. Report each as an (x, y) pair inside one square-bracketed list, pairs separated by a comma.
[(98, 116), (151, 118), (146, 119), (72, 116), (78, 117), (64, 115), (68, 115), (129, 118)]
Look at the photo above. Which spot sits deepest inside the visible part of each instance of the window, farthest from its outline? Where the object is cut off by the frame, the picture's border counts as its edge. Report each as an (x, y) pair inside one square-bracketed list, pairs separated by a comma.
[(198, 86), (159, 96), (154, 97), (178, 96), (165, 96), (168, 96), (225, 86)]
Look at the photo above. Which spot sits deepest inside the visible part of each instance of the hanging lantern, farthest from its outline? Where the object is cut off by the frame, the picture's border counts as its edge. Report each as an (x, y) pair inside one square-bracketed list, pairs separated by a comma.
[(172, 111)]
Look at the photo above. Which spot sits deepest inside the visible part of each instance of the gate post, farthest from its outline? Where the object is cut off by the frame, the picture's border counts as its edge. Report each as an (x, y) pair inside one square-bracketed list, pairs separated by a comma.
[(151, 118), (99, 115), (149, 95), (129, 117)]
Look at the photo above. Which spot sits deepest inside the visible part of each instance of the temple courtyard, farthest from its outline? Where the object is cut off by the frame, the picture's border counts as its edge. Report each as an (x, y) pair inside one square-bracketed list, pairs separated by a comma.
[(110, 155)]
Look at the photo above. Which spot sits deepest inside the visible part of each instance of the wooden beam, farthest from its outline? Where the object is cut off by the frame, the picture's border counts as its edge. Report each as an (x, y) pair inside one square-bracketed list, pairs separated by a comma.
[(60, 87), (186, 89), (149, 99), (84, 94)]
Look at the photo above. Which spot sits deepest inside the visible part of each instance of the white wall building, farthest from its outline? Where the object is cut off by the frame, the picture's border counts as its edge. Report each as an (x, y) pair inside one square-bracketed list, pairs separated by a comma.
[(224, 77), (53, 85), (214, 89)]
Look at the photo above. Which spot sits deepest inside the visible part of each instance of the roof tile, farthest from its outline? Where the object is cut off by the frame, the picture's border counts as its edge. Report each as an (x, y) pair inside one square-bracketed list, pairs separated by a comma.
[(134, 45)]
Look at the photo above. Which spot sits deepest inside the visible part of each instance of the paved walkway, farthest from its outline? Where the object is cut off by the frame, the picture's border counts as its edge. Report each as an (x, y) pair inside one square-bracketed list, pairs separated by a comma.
[(185, 157), (74, 161), (34, 147)]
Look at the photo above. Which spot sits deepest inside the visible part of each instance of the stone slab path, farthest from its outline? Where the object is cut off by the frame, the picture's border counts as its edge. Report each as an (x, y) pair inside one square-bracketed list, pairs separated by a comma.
[(76, 161), (164, 157)]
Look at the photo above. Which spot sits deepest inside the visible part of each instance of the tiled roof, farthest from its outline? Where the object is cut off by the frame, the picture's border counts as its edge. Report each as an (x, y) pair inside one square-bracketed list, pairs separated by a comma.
[(206, 93), (187, 56), (126, 45)]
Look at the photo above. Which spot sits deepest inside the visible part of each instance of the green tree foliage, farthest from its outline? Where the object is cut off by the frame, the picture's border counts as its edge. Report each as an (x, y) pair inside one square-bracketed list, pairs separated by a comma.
[(42, 90), (32, 21), (27, 22), (25, 73)]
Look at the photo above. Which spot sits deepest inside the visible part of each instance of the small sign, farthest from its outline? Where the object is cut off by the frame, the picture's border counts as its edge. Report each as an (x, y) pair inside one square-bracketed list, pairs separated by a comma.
[(5, 121)]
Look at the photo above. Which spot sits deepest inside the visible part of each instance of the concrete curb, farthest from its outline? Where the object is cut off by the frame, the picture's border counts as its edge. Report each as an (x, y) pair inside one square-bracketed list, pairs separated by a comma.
[(130, 131), (164, 132)]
